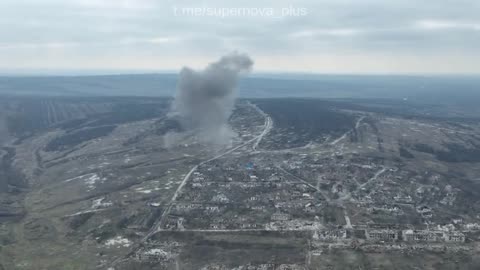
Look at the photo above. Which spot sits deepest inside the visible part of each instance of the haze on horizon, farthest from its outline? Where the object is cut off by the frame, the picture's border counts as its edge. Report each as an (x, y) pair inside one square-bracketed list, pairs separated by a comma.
[(346, 36)]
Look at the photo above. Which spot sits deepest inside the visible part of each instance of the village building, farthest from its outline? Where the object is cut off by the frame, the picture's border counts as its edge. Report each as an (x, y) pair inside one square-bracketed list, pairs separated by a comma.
[(381, 235)]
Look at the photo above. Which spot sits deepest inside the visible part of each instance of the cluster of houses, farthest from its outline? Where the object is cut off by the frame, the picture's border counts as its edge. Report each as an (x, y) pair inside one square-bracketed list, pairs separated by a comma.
[(231, 194), (411, 235), (392, 235), (433, 236)]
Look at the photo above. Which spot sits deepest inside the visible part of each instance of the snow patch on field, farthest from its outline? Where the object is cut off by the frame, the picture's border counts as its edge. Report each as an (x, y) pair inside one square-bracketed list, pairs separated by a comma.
[(118, 242), (84, 212), (143, 190), (90, 180), (98, 166), (98, 203), (81, 177)]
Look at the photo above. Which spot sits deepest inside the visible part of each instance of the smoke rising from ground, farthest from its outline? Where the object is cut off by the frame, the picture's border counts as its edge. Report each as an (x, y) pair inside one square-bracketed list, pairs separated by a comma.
[(205, 99)]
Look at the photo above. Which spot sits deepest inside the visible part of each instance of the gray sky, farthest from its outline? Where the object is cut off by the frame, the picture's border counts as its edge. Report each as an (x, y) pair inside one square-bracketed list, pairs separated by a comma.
[(337, 36)]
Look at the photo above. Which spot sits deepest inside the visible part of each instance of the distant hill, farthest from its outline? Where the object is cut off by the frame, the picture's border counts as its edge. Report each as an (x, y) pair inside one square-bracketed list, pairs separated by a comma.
[(426, 89)]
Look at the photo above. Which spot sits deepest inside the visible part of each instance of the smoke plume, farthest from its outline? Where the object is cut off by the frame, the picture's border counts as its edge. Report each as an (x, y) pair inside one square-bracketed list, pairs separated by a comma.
[(205, 99)]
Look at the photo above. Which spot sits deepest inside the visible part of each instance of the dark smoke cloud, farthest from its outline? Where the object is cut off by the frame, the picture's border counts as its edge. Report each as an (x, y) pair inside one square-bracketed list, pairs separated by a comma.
[(205, 99)]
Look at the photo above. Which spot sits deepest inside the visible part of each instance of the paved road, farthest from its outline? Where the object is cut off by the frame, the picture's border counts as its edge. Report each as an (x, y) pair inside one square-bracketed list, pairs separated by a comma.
[(341, 138)]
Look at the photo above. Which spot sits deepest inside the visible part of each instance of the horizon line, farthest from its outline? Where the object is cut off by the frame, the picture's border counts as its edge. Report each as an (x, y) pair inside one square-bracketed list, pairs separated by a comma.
[(126, 72)]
